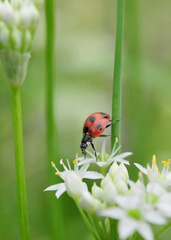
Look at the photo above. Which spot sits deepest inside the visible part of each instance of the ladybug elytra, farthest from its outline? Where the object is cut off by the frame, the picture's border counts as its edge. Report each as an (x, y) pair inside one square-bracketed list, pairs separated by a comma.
[(93, 127)]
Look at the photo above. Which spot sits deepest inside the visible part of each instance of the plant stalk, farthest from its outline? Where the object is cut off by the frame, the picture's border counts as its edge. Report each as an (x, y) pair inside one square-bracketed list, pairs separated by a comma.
[(55, 207), (162, 230), (19, 163), (117, 83)]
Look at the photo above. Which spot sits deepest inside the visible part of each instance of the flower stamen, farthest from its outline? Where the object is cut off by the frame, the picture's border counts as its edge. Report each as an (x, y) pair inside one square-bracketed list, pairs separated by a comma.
[(166, 163), (58, 173), (154, 163), (74, 161)]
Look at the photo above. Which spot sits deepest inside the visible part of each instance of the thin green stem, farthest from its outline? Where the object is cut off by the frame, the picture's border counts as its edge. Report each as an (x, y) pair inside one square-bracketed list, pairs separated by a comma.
[(55, 208), (162, 230), (86, 220), (49, 9), (19, 163), (98, 227), (116, 101)]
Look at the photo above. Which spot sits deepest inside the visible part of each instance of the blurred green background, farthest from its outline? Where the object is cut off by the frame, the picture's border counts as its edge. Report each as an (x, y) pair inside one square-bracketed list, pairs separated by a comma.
[(85, 39)]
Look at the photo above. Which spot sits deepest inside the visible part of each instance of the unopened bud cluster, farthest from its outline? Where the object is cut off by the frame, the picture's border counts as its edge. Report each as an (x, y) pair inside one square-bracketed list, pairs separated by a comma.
[(18, 19)]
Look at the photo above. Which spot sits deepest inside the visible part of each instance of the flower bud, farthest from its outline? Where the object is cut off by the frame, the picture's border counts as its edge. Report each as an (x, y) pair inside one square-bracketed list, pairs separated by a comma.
[(110, 192), (121, 186), (15, 3), (113, 171), (17, 38), (97, 192), (89, 203), (29, 16), (4, 35), (105, 181), (74, 185), (7, 13), (118, 172)]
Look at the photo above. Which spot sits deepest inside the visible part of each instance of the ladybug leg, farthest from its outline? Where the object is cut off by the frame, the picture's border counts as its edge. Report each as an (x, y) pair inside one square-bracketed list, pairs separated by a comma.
[(103, 135), (94, 150), (111, 122), (85, 154)]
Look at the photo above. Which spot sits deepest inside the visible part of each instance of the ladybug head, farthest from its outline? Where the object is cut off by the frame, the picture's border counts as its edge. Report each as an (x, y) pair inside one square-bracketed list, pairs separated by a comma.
[(86, 140)]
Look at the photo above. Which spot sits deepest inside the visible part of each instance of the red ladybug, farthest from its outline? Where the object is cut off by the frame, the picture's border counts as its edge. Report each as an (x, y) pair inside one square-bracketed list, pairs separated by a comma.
[(94, 126)]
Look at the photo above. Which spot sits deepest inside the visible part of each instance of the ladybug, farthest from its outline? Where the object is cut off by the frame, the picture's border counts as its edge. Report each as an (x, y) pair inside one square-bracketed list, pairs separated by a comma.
[(93, 127)]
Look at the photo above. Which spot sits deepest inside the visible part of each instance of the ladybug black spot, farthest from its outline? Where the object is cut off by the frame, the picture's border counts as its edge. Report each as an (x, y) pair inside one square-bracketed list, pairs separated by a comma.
[(92, 119), (85, 130), (103, 115), (99, 127)]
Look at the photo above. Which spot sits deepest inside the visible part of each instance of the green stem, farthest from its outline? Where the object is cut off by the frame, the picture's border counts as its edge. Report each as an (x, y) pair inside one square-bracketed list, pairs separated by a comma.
[(55, 208), (86, 220), (49, 8), (162, 230), (19, 163), (116, 102)]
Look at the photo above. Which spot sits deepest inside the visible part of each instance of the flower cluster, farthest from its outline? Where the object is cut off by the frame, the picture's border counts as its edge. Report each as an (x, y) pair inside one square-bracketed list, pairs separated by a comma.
[(117, 208), (18, 19)]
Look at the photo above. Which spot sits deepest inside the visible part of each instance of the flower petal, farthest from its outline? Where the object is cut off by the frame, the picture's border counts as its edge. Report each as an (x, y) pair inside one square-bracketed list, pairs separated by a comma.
[(55, 187), (141, 168), (82, 170), (93, 175), (114, 212), (127, 227), (145, 231), (101, 164), (60, 191), (155, 217), (119, 160)]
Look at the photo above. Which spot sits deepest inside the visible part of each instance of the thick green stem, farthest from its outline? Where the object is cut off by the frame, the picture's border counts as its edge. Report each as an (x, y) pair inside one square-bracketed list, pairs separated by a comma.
[(116, 102), (162, 230), (19, 163), (55, 208)]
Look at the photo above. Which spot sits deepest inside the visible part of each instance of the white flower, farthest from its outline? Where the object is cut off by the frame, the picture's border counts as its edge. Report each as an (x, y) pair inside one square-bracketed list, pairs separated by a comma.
[(89, 203), (73, 179), (74, 185), (153, 174), (104, 159), (155, 196), (133, 216)]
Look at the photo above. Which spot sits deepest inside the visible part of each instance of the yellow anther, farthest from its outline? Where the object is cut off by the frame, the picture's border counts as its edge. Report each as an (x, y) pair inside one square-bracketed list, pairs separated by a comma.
[(154, 160), (166, 163), (61, 161), (58, 173), (154, 163), (140, 174), (116, 139), (76, 155), (53, 165), (75, 160)]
